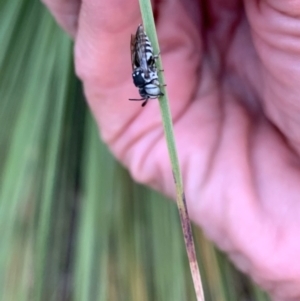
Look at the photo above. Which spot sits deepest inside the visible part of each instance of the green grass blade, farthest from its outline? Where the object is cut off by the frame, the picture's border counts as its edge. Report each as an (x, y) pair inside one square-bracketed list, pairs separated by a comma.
[(149, 25)]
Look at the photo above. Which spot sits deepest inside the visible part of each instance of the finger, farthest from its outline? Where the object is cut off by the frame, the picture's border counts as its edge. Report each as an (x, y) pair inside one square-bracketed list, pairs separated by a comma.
[(103, 39), (102, 54), (275, 29), (66, 13), (102, 60)]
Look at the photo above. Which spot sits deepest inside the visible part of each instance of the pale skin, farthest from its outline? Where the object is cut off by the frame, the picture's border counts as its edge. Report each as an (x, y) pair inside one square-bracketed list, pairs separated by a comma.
[(232, 71)]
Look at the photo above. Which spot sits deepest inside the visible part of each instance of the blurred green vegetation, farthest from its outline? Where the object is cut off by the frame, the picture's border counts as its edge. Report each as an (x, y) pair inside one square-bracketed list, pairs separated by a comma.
[(73, 225)]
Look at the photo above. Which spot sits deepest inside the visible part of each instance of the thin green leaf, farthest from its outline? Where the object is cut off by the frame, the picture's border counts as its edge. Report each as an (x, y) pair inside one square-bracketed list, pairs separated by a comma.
[(149, 25)]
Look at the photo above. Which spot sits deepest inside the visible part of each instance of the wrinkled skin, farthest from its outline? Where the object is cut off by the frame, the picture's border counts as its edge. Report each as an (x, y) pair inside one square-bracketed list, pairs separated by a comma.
[(233, 76)]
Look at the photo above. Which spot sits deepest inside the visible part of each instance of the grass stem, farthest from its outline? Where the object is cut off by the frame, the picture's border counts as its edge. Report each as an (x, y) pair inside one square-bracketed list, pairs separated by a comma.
[(149, 26)]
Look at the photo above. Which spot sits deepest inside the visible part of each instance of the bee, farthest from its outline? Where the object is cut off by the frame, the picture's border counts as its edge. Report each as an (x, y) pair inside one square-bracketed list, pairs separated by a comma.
[(144, 71)]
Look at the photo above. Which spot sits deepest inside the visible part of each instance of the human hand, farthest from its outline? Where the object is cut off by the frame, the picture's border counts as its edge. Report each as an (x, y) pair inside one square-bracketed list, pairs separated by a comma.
[(233, 76)]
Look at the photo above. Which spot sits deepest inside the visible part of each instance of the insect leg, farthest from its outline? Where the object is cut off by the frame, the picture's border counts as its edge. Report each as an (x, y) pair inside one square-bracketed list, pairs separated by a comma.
[(145, 102), (135, 99), (155, 57)]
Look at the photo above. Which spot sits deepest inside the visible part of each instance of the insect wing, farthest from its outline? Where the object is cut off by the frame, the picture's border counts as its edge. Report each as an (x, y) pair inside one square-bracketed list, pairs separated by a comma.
[(133, 52), (140, 48)]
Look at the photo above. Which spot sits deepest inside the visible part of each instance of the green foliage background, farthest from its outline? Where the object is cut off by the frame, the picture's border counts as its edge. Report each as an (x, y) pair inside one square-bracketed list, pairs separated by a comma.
[(73, 225)]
